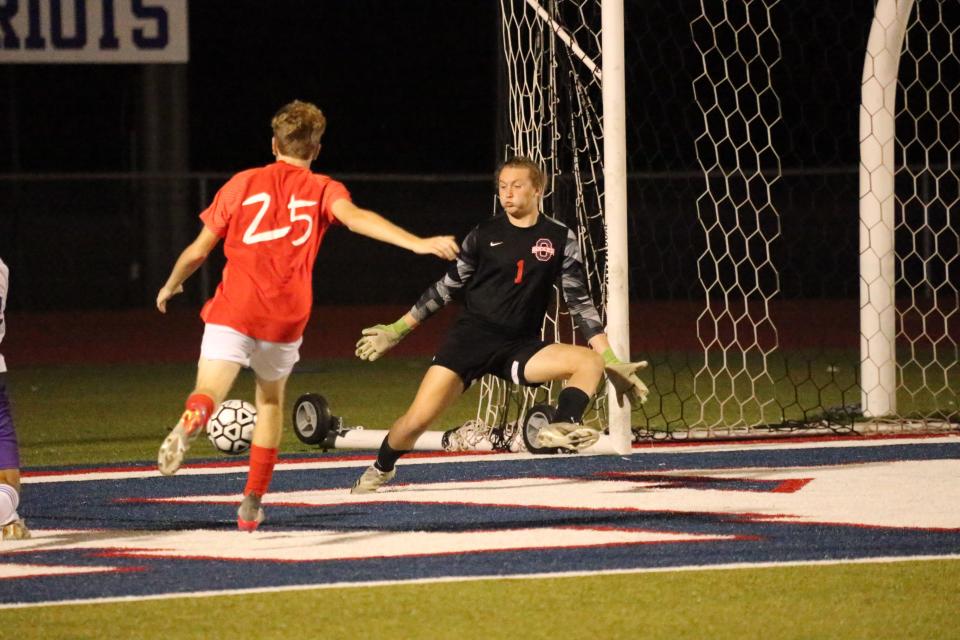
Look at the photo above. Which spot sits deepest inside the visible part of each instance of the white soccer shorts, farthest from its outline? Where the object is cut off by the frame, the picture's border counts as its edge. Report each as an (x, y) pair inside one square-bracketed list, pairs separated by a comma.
[(269, 360)]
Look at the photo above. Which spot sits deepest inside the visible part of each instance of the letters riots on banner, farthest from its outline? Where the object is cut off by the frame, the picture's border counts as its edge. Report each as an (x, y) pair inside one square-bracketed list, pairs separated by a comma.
[(93, 31)]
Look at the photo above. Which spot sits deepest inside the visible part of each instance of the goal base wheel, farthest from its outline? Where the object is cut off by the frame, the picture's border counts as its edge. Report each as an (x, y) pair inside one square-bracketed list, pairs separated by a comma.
[(312, 420)]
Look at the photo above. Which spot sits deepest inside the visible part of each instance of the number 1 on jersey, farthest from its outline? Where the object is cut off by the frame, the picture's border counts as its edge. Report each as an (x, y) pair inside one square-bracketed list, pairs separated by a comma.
[(519, 276)]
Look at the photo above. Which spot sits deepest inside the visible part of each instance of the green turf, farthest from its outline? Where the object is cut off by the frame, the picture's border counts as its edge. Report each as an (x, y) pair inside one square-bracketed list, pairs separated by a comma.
[(896, 600), (733, 390), (74, 415)]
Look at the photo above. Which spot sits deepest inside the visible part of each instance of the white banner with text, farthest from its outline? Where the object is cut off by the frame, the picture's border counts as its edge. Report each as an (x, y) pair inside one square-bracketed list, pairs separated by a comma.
[(93, 31)]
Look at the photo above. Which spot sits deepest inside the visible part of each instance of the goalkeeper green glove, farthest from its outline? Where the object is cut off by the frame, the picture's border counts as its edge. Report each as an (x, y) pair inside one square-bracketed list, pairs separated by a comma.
[(379, 339), (623, 377)]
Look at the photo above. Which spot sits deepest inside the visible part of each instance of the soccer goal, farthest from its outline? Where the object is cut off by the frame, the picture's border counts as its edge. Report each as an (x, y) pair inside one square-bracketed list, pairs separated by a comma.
[(564, 106), (791, 267)]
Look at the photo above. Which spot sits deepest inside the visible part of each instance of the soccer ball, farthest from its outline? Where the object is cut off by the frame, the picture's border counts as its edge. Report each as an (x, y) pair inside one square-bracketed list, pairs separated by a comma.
[(231, 427)]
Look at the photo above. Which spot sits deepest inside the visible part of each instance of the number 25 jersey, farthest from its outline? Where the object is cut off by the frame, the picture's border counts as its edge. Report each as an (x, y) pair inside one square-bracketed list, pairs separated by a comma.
[(272, 220)]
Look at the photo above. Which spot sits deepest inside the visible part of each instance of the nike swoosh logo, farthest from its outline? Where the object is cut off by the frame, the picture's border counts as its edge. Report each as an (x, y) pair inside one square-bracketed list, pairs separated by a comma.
[(494, 244)]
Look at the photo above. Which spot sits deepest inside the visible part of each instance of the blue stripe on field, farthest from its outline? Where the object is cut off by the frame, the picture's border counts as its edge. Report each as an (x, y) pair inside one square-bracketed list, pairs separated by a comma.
[(777, 543), (99, 505), (692, 458)]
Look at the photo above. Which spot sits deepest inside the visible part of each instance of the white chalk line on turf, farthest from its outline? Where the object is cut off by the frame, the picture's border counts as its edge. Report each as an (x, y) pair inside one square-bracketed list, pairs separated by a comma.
[(81, 475), (453, 579)]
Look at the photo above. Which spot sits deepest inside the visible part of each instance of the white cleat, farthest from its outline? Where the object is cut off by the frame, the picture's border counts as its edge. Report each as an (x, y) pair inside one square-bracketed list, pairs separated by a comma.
[(178, 441), (372, 479), (567, 435), (16, 530)]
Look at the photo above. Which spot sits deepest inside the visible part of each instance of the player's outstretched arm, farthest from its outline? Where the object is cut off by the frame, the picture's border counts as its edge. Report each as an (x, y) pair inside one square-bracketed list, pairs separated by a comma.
[(622, 375), (189, 261), (379, 339), (373, 225)]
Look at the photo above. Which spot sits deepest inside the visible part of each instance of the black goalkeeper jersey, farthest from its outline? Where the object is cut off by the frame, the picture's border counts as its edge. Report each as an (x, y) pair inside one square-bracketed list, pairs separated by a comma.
[(506, 276)]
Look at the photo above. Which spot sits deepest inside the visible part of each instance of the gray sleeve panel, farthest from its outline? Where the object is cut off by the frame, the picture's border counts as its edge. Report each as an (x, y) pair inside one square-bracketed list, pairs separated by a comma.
[(441, 292), (575, 292)]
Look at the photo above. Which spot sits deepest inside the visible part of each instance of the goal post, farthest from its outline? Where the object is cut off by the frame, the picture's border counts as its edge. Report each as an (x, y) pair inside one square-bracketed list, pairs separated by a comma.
[(615, 209), (554, 77), (878, 204)]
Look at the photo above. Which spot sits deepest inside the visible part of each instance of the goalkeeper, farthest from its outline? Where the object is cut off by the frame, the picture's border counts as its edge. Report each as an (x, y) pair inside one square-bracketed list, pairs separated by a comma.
[(505, 272)]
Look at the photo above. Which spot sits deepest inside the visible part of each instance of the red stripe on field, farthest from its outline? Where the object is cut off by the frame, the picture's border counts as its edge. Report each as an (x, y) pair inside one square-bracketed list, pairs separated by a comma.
[(793, 485)]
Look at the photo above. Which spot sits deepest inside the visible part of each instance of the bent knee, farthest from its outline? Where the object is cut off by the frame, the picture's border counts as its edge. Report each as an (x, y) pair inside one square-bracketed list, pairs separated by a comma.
[(591, 360)]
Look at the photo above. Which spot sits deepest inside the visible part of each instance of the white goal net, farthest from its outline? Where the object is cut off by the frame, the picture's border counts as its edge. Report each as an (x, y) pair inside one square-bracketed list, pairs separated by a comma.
[(552, 99), (927, 229), (794, 243)]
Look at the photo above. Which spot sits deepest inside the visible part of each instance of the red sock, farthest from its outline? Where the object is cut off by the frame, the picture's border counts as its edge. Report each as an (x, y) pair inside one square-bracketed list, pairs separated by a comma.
[(202, 404), (262, 461)]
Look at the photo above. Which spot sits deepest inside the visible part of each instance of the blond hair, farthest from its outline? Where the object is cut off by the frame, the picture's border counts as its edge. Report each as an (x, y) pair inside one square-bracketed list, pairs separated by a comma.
[(523, 162), (297, 128)]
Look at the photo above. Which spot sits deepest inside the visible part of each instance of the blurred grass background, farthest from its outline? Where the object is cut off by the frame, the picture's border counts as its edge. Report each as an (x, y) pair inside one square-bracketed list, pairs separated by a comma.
[(76, 414)]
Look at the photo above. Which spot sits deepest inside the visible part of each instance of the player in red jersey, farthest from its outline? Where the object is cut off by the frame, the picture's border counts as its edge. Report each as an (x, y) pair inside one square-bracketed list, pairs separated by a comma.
[(272, 220)]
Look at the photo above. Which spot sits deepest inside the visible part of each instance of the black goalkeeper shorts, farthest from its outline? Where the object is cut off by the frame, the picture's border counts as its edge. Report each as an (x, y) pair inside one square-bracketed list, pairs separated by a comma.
[(471, 350)]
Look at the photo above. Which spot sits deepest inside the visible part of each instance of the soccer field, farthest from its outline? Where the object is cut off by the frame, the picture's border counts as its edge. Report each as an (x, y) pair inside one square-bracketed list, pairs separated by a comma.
[(896, 600), (850, 579), (759, 198)]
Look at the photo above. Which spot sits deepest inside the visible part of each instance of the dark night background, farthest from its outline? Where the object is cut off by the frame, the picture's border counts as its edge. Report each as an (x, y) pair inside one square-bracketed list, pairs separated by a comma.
[(407, 87), (411, 88)]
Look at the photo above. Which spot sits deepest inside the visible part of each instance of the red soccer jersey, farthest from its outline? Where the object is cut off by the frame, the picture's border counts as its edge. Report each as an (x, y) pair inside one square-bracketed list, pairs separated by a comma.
[(272, 220)]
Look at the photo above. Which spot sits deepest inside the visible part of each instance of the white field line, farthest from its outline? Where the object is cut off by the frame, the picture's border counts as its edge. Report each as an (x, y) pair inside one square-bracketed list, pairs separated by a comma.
[(364, 461), (449, 579)]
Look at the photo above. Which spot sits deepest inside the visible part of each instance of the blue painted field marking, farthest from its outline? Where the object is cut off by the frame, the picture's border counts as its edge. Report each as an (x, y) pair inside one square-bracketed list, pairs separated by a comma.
[(129, 532)]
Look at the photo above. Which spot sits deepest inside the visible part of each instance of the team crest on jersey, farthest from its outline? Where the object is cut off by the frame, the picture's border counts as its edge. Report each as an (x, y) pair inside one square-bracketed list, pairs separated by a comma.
[(543, 249)]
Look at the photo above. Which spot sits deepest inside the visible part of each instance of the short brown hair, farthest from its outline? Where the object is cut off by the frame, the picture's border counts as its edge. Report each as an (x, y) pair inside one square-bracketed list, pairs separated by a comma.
[(523, 162), (298, 127)]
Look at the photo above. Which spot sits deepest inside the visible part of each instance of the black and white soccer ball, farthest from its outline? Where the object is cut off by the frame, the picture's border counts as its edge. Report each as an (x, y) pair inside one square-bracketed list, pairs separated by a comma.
[(231, 427)]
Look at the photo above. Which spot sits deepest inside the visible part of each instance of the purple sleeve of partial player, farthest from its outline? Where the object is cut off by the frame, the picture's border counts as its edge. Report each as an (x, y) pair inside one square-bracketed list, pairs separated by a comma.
[(9, 452)]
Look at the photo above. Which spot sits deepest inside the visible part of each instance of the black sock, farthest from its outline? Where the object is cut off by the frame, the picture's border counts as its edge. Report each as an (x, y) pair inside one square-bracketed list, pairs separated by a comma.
[(571, 404), (387, 457)]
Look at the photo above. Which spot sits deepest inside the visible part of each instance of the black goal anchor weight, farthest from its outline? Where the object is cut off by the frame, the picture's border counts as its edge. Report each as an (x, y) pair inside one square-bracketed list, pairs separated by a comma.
[(315, 425), (313, 422)]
